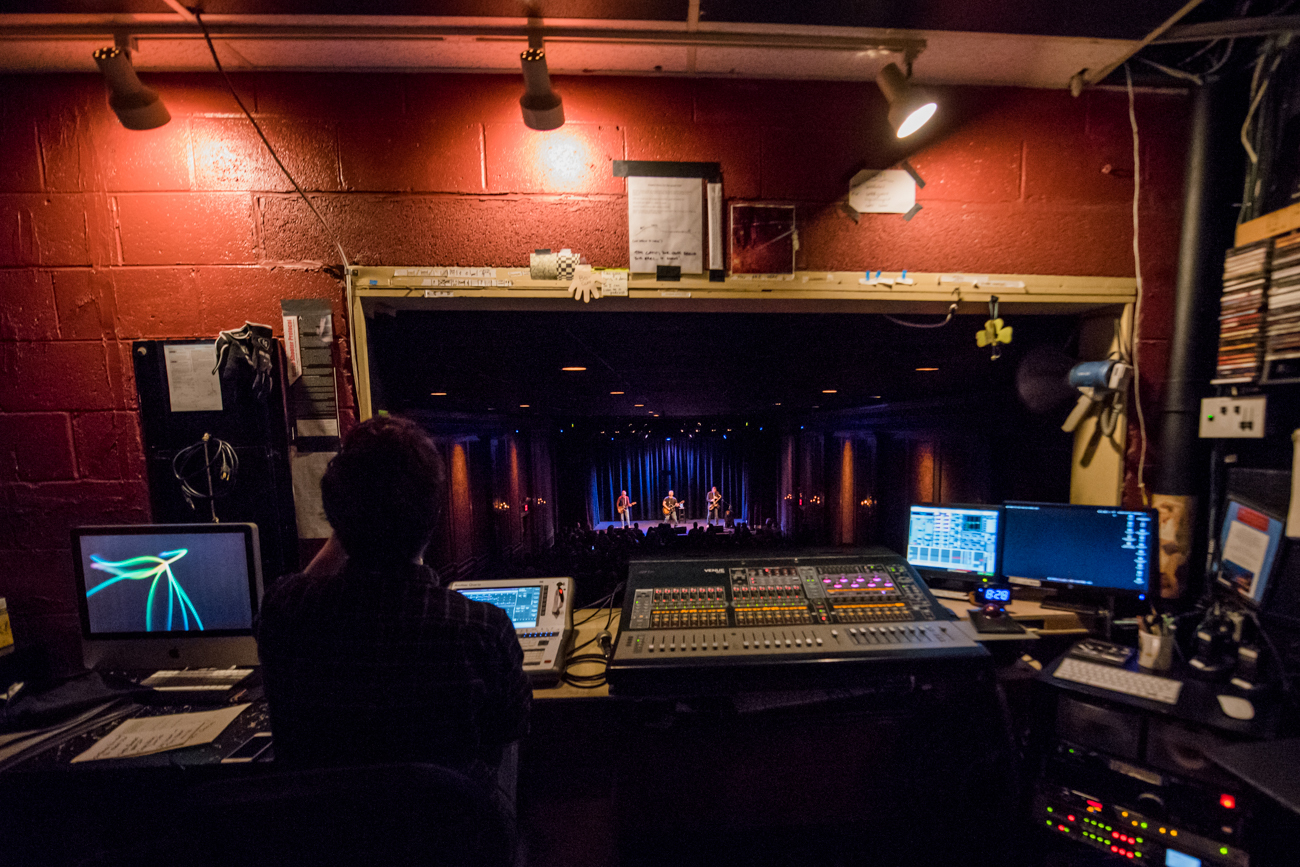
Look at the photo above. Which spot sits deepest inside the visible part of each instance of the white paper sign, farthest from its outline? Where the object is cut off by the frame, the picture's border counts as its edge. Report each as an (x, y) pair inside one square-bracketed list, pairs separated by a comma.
[(890, 192), (613, 282), (192, 383), (155, 734), (665, 218)]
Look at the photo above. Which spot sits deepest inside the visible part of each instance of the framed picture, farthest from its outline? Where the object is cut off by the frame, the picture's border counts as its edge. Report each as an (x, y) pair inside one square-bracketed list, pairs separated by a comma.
[(762, 239)]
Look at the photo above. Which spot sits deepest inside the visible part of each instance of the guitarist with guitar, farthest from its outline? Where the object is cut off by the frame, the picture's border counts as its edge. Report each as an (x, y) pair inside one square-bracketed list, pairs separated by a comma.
[(671, 505), (624, 506)]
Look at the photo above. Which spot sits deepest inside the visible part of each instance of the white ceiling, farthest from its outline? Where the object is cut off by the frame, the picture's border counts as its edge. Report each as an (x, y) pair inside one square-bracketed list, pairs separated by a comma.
[(168, 42)]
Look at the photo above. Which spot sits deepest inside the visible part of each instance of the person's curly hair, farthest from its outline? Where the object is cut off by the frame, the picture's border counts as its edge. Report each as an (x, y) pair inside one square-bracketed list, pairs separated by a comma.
[(383, 491)]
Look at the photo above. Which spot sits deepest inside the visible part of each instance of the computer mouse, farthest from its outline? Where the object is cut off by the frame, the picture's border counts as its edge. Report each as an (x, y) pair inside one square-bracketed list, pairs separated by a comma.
[(1237, 707)]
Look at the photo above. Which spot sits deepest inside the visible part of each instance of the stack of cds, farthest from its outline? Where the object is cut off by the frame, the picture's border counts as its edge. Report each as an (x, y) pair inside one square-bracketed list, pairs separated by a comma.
[(1241, 314), (1282, 333)]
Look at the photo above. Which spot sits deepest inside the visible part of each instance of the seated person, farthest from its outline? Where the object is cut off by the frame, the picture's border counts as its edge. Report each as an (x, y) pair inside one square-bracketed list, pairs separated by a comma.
[(366, 658)]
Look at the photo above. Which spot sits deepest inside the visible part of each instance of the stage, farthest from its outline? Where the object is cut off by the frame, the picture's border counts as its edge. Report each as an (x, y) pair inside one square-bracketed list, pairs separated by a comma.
[(682, 525)]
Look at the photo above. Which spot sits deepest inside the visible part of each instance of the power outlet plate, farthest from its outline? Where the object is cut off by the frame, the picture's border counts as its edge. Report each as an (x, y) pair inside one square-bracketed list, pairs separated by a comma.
[(1232, 417)]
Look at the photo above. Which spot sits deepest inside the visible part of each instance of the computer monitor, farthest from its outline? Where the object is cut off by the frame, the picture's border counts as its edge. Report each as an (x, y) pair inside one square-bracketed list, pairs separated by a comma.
[(1095, 553), (954, 547), (167, 595), (1248, 547)]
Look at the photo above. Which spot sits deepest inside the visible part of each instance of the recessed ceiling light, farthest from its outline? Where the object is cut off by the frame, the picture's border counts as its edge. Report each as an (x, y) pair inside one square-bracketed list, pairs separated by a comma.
[(523, 406), (616, 392), (829, 391), (437, 394), (573, 368), (875, 397), (776, 404), (638, 405), (927, 368)]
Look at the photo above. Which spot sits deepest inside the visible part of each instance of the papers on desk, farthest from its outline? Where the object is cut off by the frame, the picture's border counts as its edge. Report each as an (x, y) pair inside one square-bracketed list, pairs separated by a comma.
[(155, 734)]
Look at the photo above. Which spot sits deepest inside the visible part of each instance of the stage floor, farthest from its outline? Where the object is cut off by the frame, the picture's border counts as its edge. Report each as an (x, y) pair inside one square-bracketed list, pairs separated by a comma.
[(646, 525)]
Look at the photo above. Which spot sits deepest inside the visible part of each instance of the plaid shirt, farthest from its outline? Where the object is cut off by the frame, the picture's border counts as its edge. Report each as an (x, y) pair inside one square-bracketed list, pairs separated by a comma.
[(385, 665)]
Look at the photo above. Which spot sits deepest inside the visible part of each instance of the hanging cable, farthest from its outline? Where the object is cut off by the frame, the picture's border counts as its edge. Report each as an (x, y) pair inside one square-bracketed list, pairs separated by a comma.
[(197, 463), (1137, 304), (207, 37), (952, 310)]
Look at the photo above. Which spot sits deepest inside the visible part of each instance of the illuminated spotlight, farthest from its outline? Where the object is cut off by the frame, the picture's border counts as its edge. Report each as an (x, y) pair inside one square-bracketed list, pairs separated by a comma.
[(136, 106), (636, 405), (542, 107), (776, 404), (909, 107), (573, 368), (927, 369), (616, 392), (875, 397), (830, 391), (523, 406), (441, 394)]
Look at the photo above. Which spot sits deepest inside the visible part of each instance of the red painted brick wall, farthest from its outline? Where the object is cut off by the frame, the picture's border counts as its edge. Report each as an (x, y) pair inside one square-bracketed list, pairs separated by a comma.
[(108, 235)]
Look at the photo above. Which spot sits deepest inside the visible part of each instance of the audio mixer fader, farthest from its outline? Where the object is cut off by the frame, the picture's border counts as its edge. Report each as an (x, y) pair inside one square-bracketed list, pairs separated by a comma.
[(779, 622)]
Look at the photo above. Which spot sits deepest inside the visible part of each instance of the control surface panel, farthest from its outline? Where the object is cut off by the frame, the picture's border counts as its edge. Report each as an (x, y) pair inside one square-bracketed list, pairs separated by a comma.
[(683, 616), (541, 610)]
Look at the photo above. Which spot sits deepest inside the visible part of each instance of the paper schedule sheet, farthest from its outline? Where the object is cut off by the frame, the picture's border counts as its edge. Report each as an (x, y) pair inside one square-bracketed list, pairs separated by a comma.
[(147, 735), (665, 223)]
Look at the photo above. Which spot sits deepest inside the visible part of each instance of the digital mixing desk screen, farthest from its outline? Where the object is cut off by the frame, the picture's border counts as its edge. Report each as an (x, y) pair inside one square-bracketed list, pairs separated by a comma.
[(954, 539), (521, 603)]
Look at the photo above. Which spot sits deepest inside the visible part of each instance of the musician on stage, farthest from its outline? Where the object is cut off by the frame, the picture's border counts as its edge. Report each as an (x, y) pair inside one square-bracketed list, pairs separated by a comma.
[(624, 506), (715, 505), (671, 505)]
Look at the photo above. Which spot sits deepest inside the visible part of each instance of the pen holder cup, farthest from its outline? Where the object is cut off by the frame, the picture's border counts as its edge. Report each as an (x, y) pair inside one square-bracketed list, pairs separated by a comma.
[(1155, 652)]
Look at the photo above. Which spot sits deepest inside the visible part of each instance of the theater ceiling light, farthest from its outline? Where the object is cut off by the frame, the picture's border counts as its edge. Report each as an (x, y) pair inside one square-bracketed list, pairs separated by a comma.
[(136, 106), (909, 107)]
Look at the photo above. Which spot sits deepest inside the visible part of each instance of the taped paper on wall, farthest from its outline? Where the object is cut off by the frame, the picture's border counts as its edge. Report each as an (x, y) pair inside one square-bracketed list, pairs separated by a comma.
[(665, 224), (888, 192), (192, 383)]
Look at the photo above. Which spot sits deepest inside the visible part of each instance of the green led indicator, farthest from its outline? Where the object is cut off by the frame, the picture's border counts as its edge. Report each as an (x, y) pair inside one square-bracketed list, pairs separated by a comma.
[(1223, 850), (1049, 809), (1049, 822), (1139, 839), (1210, 417), (1144, 824)]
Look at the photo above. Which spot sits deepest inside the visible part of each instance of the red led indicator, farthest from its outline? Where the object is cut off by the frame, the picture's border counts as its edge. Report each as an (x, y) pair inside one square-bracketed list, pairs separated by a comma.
[(1071, 818), (1227, 802), (1095, 805)]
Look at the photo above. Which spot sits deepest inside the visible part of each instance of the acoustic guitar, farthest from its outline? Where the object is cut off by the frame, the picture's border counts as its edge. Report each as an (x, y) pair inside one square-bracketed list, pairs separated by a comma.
[(623, 509), (670, 509)]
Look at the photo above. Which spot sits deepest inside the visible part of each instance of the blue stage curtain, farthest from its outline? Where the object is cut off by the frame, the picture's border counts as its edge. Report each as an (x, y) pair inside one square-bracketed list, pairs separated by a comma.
[(648, 468)]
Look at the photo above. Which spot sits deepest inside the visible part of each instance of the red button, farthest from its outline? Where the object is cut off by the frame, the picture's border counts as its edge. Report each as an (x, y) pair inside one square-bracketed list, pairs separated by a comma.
[(1228, 802)]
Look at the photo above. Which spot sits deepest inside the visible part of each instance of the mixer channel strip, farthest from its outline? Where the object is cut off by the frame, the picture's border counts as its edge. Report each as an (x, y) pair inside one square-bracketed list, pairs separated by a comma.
[(771, 606), (677, 607)]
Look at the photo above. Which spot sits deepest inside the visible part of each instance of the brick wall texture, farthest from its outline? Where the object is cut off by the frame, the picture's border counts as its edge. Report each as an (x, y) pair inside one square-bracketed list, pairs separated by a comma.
[(108, 235)]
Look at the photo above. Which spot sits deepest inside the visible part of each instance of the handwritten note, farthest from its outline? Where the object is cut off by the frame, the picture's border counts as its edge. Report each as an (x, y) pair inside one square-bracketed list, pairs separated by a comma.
[(665, 223), (890, 192), (156, 734)]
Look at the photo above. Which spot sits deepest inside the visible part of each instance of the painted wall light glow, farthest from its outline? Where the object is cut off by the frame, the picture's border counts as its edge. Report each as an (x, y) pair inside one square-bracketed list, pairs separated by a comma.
[(136, 106)]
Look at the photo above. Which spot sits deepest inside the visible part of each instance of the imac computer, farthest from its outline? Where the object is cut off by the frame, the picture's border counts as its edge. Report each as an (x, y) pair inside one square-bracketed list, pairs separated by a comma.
[(167, 596), (1248, 547), (955, 547), (1092, 556)]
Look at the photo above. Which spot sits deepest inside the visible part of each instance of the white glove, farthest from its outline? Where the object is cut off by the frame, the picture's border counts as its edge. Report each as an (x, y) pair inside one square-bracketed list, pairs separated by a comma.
[(584, 285)]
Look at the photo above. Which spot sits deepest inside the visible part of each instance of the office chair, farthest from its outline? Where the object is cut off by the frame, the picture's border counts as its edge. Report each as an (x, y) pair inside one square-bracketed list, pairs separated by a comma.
[(376, 815)]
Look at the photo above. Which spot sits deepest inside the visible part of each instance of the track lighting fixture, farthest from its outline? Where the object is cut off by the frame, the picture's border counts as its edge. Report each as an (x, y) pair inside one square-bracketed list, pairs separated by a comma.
[(543, 109), (909, 107), (136, 106)]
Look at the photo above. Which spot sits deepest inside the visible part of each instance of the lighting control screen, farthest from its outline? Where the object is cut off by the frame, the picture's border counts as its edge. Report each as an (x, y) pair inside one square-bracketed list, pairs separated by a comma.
[(520, 603), (953, 539)]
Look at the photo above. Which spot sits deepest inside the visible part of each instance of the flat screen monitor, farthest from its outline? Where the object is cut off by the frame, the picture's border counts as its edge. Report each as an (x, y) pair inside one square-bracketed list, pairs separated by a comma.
[(167, 595), (1094, 551), (1248, 548), (954, 545), (521, 603)]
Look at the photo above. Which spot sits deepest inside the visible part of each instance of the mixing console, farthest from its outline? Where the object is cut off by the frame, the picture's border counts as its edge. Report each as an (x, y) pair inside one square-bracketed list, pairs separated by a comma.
[(681, 620)]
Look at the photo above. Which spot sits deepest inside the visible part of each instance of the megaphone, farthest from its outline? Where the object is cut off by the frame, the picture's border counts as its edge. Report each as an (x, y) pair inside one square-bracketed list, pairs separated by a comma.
[(1102, 385)]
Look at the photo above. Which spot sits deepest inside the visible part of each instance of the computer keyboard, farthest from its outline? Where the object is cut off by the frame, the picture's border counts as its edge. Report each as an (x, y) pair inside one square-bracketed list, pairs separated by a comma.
[(1132, 683)]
